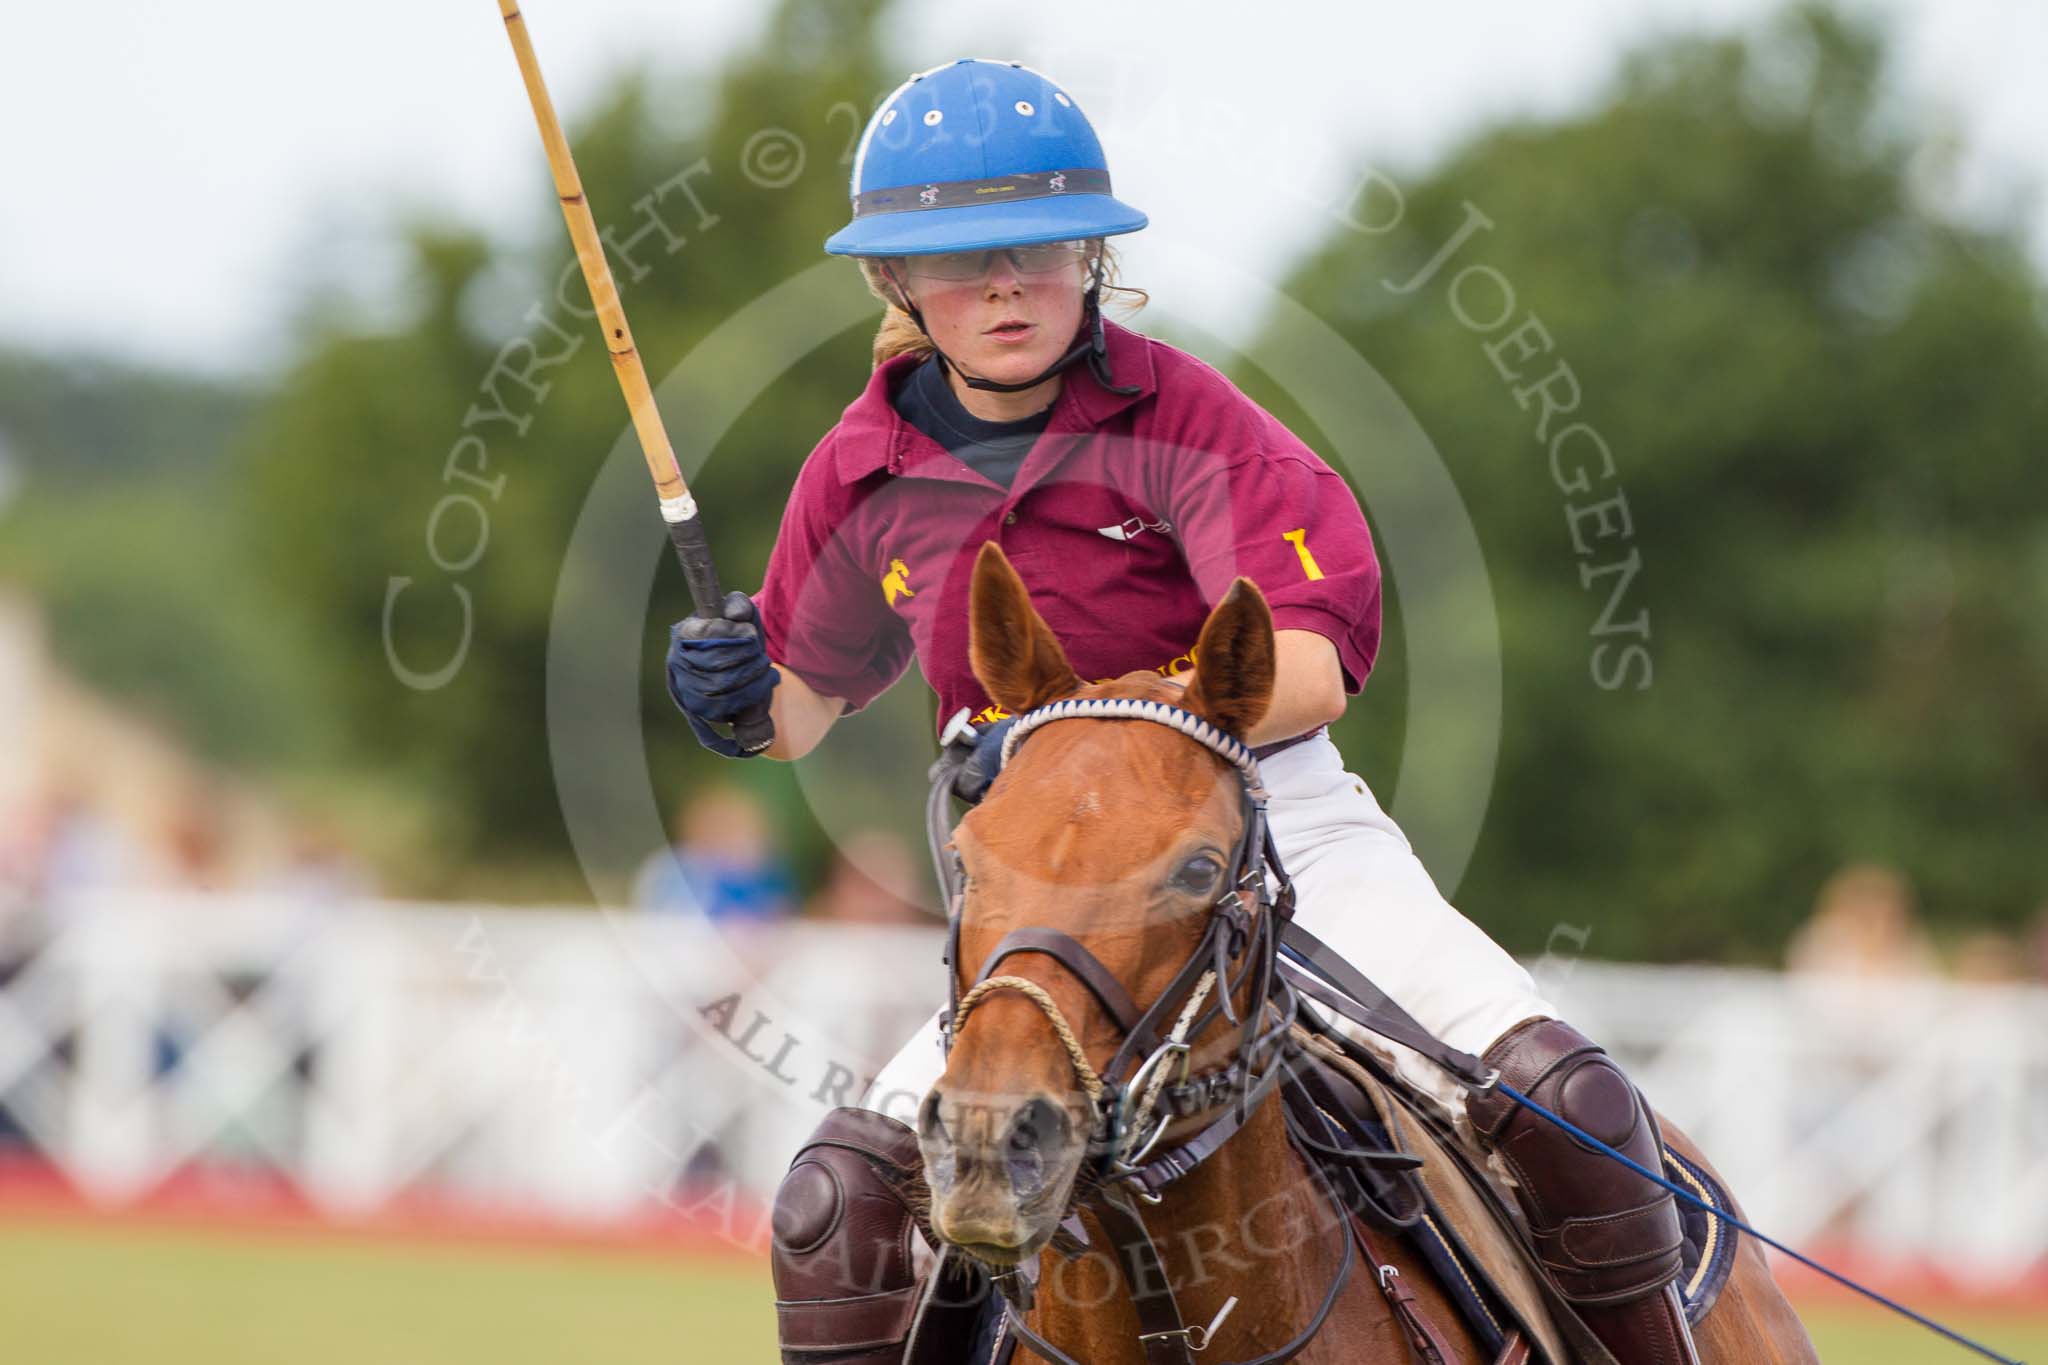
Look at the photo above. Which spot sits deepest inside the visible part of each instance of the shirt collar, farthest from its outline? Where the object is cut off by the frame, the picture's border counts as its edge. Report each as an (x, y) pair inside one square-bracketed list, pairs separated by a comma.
[(872, 436)]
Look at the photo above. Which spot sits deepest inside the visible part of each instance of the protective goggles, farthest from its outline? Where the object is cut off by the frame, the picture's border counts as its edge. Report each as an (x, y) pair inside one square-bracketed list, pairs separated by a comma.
[(1041, 258)]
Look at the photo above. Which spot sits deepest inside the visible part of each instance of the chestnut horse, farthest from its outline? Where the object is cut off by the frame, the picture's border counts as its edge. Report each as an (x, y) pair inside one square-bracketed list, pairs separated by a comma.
[(1118, 838)]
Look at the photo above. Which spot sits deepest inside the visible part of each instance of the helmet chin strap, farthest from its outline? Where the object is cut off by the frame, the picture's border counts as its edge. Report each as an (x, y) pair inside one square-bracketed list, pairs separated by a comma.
[(1092, 344)]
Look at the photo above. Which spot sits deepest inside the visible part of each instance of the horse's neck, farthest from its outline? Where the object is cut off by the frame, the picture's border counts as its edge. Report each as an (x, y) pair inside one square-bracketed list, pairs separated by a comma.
[(1248, 1223)]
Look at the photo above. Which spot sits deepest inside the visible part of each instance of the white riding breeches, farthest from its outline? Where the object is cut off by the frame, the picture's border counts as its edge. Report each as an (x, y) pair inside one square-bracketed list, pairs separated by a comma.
[(1360, 888)]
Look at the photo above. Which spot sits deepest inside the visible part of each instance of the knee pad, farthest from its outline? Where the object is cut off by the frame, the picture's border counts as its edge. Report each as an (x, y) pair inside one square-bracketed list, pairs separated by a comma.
[(847, 1288), (1606, 1234)]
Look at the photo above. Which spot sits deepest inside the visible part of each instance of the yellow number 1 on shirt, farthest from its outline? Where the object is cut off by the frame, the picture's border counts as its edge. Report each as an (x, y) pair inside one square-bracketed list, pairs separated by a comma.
[(1299, 539)]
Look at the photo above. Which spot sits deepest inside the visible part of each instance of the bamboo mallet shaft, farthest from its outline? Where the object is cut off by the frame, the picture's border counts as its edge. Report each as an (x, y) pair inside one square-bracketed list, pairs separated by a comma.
[(753, 731), (597, 274)]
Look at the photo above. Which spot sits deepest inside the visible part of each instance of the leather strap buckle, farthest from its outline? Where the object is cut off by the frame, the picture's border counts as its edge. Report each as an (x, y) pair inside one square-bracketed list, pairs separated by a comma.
[(1197, 1338)]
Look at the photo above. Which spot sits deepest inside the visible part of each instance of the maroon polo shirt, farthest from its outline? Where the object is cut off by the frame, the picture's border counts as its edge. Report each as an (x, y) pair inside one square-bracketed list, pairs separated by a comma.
[(1128, 520)]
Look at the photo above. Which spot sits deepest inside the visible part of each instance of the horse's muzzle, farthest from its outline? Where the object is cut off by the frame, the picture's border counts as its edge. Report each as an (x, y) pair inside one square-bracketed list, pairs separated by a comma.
[(999, 1168)]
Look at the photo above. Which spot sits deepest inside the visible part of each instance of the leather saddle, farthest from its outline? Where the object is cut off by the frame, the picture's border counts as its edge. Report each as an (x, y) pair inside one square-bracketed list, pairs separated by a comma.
[(1454, 1209)]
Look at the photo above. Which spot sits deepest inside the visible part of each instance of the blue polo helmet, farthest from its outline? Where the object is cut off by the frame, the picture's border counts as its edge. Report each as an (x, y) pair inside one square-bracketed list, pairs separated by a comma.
[(978, 154)]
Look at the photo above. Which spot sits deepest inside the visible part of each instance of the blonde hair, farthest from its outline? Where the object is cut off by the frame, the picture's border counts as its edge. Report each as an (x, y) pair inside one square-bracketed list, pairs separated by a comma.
[(900, 335)]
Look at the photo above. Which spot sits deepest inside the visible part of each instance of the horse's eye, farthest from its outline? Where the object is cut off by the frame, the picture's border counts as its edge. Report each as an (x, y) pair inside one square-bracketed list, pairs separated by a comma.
[(1198, 875)]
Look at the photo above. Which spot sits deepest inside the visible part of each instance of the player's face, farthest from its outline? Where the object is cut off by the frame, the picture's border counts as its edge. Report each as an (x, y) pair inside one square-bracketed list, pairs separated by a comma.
[(1002, 315)]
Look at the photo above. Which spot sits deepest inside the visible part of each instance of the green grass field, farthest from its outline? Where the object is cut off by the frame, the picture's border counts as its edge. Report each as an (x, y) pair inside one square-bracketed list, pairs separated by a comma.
[(77, 1293), (87, 1294)]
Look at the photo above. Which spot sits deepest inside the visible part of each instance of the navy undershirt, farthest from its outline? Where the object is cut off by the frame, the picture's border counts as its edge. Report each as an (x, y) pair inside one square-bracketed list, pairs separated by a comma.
[(995, 450)]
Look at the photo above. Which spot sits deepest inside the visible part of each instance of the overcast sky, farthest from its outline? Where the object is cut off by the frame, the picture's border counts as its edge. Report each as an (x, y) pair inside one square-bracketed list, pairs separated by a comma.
[(176, 173)]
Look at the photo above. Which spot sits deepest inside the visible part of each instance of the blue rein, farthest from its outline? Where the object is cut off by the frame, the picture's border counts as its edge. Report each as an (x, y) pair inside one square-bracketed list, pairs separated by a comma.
[(1597, 1145)]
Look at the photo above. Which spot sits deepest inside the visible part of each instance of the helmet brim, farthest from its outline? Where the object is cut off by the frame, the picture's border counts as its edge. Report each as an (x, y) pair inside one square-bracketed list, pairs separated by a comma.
[(978, 227)]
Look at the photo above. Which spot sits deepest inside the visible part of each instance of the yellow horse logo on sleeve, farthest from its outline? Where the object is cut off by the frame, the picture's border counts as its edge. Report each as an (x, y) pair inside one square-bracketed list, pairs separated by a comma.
[(896, 582)]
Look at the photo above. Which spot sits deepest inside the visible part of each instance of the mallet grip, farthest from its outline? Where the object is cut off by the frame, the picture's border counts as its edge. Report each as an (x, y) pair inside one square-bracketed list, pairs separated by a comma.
[(754, 731)]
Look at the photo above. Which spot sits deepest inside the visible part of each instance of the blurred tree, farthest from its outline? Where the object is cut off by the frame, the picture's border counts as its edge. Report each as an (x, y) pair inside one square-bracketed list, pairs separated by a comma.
[(1818, 389), (118, 475), (1824, 401), (70, 421)]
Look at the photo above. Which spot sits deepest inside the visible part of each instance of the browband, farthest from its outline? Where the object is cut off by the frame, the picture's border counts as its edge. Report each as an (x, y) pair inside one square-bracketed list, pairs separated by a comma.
[(1226, 747)]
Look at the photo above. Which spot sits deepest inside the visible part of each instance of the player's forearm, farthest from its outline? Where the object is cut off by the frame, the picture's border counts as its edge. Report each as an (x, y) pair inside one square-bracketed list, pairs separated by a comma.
[(802, 716), (1308, 687)]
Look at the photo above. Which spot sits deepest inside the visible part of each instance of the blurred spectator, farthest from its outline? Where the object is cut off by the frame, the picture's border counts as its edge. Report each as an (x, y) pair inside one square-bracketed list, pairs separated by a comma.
[(2036, 945), (1864, 925), (722, 862), (873, 880), (20, 857), (196, 843), (1988, 956), (320, 869), (80, 849)]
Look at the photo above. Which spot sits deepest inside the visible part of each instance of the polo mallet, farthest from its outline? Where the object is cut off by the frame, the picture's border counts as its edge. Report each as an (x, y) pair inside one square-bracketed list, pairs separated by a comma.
[(754, 730)]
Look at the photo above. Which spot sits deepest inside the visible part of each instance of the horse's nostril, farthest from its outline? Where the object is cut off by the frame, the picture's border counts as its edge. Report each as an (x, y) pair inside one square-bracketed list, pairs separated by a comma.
[(1038, 1131), (929, 1125), (1052, 1123)]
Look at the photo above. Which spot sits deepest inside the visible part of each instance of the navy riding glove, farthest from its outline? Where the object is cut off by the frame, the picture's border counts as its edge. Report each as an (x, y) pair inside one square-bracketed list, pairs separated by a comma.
[(981, 767), (718, 669)]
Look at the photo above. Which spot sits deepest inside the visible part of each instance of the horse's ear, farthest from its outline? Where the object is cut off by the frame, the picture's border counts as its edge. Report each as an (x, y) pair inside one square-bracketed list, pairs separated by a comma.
[(1015, 655), (1233, 686)]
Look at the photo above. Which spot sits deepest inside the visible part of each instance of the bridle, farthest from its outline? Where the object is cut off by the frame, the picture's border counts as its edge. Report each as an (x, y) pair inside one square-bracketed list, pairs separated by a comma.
[(1147, 1085), (1237, 942)]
